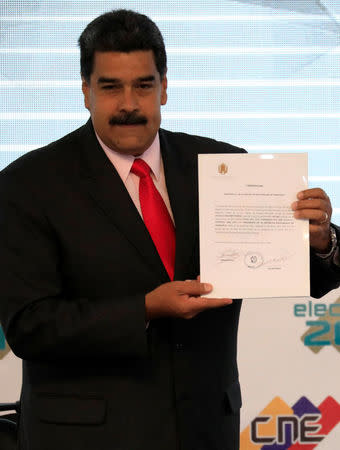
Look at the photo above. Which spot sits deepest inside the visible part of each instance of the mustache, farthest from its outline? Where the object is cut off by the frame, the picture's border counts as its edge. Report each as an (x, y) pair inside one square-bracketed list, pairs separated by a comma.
[(128, 118)]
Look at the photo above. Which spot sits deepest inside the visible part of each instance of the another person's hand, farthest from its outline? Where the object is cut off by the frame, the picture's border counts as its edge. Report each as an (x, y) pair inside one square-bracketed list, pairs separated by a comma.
[(314, 204), (181, 299)]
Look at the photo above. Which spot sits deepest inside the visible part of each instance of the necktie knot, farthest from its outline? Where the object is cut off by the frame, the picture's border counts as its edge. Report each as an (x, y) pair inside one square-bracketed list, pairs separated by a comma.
[(140, 168)]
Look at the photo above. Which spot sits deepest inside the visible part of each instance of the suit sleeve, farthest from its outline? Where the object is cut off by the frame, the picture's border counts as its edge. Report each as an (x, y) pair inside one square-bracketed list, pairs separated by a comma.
[(40, 321)]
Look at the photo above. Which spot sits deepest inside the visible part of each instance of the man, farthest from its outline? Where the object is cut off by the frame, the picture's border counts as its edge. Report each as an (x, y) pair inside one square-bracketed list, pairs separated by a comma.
[(121, 350)]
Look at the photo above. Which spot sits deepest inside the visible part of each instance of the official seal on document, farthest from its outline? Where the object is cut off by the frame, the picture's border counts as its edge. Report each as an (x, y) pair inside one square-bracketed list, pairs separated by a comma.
[(253, 260)]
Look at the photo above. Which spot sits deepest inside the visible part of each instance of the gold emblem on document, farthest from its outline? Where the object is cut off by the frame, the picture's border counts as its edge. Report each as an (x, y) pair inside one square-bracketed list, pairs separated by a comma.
[(222, 169)]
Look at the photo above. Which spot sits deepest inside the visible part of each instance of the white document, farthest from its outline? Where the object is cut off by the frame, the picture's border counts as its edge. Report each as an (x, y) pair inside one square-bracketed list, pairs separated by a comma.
[(251, 246)]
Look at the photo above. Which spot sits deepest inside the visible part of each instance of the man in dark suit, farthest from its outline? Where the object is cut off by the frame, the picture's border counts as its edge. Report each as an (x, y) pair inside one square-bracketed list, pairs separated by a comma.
[(121, 350)]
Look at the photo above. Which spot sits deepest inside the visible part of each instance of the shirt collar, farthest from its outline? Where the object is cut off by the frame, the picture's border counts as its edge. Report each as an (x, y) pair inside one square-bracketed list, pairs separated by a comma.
[(123, 163)]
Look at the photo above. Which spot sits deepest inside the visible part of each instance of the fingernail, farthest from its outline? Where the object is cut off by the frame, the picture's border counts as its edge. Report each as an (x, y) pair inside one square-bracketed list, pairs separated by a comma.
[(294, 205), (207, 287), (300, 195)]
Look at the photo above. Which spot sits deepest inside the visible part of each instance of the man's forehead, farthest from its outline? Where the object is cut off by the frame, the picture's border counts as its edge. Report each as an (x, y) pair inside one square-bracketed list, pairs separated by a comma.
[(120, 65), (136, 57)]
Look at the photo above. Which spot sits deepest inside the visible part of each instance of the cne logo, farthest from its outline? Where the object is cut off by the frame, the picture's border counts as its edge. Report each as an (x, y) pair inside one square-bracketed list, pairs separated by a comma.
[(281, 427)]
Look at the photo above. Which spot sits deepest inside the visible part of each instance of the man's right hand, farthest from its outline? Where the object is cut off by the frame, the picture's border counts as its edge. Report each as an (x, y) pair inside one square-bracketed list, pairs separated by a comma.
[(181, 299)]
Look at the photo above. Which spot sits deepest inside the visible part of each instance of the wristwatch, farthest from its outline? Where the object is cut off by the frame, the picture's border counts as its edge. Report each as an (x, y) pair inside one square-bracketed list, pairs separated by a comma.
[(334, 242)]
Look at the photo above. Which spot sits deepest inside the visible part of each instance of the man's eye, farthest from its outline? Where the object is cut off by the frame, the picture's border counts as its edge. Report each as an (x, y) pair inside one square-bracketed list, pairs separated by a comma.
[(145, 86), (109, 87)]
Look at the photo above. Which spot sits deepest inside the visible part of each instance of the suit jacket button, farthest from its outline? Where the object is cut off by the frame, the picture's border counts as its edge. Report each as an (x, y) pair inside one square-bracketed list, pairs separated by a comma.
[(179, 347)]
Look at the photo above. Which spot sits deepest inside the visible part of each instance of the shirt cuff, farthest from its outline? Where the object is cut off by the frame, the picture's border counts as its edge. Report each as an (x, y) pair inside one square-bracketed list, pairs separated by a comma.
[(333, 258), (336, 257), (333, 255)]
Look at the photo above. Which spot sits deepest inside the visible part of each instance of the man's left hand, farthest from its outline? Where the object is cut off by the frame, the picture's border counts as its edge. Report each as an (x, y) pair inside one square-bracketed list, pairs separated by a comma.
[(314, 204)]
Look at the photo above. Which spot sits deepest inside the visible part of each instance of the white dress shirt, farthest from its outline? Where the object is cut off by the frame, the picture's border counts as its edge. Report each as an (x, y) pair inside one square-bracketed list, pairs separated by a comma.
[(123, 163)]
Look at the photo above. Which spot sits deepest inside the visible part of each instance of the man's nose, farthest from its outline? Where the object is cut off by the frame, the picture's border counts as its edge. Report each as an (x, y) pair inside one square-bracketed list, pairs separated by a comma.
[(129, 100)]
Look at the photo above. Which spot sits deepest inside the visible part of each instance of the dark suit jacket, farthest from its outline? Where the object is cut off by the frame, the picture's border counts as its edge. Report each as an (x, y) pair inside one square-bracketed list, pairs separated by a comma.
[(76, 262)]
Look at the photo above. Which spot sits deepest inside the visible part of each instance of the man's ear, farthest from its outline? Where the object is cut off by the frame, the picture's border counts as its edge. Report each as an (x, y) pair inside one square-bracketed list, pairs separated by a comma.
[(86, 91), (164, 86)]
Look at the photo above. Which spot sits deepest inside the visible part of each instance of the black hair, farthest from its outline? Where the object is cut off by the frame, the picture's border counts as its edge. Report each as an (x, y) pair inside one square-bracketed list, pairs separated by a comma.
[(120, 30)]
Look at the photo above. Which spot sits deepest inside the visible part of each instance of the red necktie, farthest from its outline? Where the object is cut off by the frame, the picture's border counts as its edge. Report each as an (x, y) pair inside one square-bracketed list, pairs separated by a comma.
[(156, 216)]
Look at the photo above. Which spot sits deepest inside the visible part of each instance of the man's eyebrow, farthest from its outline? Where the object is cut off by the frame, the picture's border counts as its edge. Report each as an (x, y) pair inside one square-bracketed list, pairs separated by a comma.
[(108, 80), (102, 80), (148, 78)]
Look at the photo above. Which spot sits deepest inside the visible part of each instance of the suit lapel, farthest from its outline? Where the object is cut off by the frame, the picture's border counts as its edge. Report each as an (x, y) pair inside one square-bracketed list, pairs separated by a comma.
[(181, 180), (109, 193)]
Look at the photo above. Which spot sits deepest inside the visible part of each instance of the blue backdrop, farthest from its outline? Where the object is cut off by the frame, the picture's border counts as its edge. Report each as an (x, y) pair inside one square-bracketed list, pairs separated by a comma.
[(263, 75)]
